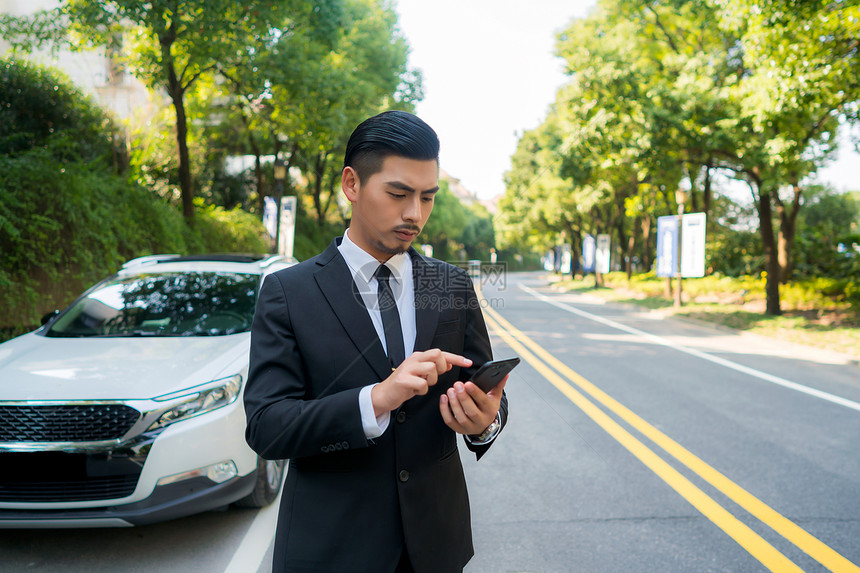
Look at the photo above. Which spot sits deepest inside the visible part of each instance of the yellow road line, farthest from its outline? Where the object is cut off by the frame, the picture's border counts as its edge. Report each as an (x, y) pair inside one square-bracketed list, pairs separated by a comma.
[(768, 555), (785, 527)]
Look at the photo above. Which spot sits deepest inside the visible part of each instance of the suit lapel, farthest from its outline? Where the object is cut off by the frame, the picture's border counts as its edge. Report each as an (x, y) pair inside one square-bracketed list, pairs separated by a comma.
[(426, 299), (331, 278)]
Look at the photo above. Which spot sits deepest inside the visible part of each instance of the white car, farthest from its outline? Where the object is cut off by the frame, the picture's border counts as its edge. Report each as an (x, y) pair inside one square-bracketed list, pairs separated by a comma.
[(125, 408)]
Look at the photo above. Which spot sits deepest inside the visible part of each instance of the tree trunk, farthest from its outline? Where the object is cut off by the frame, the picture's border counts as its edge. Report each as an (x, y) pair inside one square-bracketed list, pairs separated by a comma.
[(319, 176), (333, 174), (631, 246), (646, 242), (765, 215), (706, 192), (692, 200), (258, 173), (185, 184), (176, 91), (787, 230)]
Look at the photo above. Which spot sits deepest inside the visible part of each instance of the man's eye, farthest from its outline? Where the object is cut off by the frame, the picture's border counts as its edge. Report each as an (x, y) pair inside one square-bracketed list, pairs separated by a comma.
[(397, 195), (427, 199)]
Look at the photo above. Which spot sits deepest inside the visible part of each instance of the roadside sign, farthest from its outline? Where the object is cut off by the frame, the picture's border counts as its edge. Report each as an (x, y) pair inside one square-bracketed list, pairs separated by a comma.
[(667, 246), (692, 245), (602, 254), (288, 226), (588, 249), (565, 266), (269, 216)]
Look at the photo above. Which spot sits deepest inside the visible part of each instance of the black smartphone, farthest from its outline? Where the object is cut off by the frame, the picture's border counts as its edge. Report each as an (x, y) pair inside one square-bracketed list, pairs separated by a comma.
[(492, 372)]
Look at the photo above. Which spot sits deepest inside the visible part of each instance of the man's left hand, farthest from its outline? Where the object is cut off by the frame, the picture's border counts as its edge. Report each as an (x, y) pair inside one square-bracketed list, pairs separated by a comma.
[(466, 409)]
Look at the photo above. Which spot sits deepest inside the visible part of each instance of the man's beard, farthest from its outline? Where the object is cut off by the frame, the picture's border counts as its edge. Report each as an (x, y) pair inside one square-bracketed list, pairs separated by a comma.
[(399, 248), (381, 247)]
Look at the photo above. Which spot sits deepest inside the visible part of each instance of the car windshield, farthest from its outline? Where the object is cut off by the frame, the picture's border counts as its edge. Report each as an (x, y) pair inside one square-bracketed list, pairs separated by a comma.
[(163, 304)]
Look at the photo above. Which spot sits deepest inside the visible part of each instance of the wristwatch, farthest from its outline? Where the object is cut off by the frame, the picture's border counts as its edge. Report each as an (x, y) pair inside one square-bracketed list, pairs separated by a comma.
[(489, 433)]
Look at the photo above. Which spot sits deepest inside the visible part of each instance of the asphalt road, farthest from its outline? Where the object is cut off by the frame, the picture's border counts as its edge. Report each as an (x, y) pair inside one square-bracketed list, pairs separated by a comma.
[(691, 449), (635, 443)]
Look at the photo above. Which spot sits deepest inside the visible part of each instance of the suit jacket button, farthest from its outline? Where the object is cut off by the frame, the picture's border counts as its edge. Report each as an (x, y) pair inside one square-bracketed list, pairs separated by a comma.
[(338, 446), (346, 445), (325, 449), (401, 417), (403, 476)]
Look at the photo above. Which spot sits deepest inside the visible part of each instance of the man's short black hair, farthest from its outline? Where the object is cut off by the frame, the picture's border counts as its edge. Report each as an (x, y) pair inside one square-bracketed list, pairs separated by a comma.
[(389, 133)]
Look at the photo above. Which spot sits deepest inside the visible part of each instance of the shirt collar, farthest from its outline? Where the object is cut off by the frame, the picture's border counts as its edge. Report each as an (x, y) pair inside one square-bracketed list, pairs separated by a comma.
[(364, 265)]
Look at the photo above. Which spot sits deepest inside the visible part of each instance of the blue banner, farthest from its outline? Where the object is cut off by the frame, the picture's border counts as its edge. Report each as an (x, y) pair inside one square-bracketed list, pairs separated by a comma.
[(667, 246)]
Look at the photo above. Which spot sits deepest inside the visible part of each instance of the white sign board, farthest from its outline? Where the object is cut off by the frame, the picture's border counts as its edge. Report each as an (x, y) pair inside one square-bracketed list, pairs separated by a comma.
[(601, 255), (588, 249), (269, 219), (288, 226), (693, 245), (565, 260)]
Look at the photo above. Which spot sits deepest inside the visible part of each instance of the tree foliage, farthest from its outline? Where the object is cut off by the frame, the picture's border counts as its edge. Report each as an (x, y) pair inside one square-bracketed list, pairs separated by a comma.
[(669, 94), (67, 216), (171, 44), (445, 225)]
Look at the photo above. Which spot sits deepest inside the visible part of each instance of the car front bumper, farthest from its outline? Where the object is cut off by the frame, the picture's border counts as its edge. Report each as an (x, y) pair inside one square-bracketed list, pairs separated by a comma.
[(166, 502)]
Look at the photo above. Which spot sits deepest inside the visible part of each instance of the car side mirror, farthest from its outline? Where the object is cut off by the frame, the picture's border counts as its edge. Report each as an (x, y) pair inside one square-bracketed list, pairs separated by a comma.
[(49, 317)]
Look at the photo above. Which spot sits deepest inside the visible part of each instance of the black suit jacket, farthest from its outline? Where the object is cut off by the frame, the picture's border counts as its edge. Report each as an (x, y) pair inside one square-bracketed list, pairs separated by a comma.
[(349, 503)]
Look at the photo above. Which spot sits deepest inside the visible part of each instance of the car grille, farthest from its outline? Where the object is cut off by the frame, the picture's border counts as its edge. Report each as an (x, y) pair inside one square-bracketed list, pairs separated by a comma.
[(90, 490), (61, 476), (66, 423)]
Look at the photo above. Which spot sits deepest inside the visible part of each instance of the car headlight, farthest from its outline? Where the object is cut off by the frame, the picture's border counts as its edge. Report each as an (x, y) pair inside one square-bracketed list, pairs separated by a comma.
[(198, 400)]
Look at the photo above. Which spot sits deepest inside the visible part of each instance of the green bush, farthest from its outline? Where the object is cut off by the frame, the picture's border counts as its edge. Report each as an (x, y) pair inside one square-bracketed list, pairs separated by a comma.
[(311, 238), (818, 292), (63, 226), (67, 217), (39, 103), (852, 294), (229, 230)]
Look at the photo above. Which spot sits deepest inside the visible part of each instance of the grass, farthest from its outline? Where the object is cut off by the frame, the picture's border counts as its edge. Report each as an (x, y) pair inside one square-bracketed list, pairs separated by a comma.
[(809, 317)]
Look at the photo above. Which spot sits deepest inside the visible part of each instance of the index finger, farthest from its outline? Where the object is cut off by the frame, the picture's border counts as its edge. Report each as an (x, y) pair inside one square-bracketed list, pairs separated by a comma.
[(456, 360), (443, 360)]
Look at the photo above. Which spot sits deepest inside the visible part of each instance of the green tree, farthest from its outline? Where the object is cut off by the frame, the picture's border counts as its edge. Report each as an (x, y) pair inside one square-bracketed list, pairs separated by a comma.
[(248, 107), (67, 216), (478, 236), (803, 68), (830, 219), (36, 105), (300, 99), (168, 44), (540, 201), (661, 95), (445, 225), (364, 74)]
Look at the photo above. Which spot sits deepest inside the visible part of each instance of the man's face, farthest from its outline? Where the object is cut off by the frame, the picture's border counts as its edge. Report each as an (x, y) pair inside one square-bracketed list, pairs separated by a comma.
[(392, 206)]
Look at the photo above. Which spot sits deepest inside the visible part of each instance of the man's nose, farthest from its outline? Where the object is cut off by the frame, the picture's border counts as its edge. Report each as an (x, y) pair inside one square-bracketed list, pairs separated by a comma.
[(412, 209)]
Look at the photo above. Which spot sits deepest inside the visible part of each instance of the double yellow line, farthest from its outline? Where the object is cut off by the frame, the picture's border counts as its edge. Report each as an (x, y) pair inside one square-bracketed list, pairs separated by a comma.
[(757, 546)]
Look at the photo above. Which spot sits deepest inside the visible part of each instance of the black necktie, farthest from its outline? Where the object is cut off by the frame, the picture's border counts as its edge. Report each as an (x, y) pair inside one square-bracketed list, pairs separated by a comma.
[(390, 317)]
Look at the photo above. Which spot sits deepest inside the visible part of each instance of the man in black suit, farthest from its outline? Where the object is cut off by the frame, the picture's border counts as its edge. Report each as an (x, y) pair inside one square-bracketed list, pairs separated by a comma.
[(358, 362)]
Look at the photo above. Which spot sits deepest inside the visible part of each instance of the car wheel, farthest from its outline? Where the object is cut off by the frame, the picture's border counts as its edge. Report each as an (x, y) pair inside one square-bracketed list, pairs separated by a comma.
[(269, 478)]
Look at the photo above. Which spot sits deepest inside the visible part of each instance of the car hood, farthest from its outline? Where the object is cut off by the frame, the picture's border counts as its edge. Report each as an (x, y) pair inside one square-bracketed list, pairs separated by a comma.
[(34, 367)]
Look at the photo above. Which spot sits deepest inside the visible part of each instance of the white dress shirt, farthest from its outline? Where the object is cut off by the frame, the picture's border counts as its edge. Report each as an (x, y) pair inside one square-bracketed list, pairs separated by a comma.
[(363, 267)]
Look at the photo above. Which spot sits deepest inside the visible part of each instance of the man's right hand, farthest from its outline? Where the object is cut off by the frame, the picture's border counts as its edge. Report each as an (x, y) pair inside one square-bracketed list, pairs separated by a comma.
[(413, 377)]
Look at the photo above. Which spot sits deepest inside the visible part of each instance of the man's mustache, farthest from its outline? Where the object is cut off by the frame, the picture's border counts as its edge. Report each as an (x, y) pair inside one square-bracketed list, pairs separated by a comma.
[(412, 228)]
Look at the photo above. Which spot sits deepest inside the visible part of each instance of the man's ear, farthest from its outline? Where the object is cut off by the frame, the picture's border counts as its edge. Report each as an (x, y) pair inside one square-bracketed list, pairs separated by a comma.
[(350, 184)]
